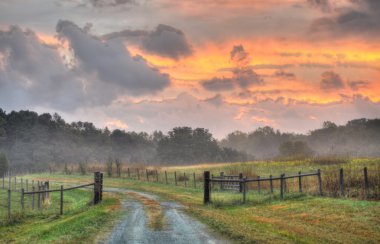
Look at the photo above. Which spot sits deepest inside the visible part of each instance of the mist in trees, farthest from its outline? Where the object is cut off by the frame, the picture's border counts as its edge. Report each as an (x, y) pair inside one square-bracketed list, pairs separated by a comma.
[(41, 140), (38, 141)]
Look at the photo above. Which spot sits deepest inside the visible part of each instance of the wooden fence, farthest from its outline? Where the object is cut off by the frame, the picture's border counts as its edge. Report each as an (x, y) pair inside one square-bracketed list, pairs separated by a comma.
[(242, 183), (42, 191)]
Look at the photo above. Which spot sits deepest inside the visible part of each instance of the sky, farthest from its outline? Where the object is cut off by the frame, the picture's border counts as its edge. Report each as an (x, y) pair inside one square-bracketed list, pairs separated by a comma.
[(146, 65)]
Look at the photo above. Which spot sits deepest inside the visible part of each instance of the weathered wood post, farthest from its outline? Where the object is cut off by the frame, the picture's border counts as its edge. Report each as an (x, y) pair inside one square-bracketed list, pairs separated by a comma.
[(366, 183), (271, 184), (175, 177), (33, 197), (299, 182), (61, 201), (285, 186), (222, 178), (244, 183), (258, 185), (22, 198), (240, 184), (147, 176), (47, 187), (282, 186), (320, 182), (195, 183), (166, 177), (156, 175), (39, 196), (206, 187), (9, 204), (97, 187), (341, 182), (101, 187)]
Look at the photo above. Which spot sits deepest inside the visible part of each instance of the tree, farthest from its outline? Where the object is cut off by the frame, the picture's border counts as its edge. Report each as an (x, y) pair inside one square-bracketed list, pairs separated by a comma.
[(296, 150), (3, 164)]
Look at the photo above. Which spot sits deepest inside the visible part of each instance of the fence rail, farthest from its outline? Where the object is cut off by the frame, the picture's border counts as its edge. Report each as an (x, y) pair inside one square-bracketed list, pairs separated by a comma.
[(43, 193)]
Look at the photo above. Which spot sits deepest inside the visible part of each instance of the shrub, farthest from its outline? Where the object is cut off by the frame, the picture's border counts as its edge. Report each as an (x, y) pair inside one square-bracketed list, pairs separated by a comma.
[(3, 164)]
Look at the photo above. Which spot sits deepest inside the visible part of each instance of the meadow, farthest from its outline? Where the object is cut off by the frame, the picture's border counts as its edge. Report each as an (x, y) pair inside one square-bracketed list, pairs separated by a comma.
[(265, 218)]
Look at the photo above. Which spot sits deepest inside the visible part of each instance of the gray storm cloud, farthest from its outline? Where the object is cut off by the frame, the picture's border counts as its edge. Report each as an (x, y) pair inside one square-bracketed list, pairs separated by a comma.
[(164, 40), (363, 18), (111, 63), (34, 74)]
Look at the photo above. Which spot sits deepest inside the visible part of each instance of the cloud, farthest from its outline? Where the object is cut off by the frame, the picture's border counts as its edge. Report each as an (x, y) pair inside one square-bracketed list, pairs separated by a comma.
[(243, 75), (331, 81), (111, 63), (33, 73), (218, 84), (324, 5), (357, 85), (164, 40), (111, 3), (362, 17), (285, 75)]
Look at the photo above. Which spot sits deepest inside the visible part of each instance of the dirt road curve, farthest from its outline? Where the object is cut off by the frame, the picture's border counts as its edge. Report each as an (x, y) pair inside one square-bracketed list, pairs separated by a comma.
[(178, 227)]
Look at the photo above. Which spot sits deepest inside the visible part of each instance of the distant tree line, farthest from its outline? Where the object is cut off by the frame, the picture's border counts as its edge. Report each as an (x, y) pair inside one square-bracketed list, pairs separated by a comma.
[(38, 140), (358, 138)]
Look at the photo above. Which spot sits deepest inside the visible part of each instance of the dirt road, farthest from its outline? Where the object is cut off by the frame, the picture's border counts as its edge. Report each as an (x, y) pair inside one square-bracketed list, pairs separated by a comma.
[(149, 220)]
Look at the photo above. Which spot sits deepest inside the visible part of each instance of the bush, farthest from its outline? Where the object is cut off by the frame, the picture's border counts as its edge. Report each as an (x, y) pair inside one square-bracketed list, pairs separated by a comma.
[(82, 168)]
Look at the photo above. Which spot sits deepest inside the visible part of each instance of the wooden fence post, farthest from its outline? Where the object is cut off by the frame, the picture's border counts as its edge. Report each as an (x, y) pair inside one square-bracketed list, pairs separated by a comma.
[(61, 201), (206, 187), (222, 178), (9, 204), (341, 181), (244, 189), (240, 184), (258, 185), (22, 198), (195, 184), (299, 182), (366, 183), (175, 177), (285, 185), (282, 186), (33, 198), (271, 183), (320, 182), (39, 196), (97, 181), (166, 177), (101, 187)]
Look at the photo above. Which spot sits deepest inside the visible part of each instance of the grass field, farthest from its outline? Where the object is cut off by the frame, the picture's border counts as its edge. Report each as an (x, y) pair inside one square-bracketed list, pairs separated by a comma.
[(80, 223), (264, 218), (298, 218)]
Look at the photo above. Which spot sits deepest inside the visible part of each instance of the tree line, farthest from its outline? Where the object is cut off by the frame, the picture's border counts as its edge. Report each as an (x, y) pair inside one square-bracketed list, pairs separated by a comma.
[(40, 140)]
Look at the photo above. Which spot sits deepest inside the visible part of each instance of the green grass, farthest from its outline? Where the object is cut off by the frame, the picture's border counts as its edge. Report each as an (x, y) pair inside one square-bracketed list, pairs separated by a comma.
[(265, 218), (80, 223)]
